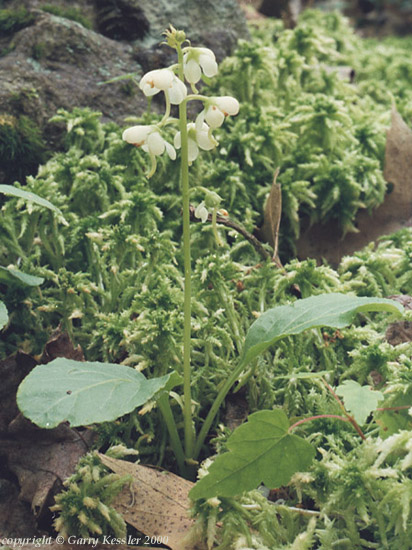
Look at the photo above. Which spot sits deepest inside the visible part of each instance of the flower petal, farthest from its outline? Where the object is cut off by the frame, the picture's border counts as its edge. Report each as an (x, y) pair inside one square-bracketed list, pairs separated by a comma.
[(154, 81), (214, 116), (156, 143), (137, 134), (177, 140), (208, 63), (227, 104), (170, 151), (193, 150), (192, 71), (203, 139), (201, 212), (177, 92)]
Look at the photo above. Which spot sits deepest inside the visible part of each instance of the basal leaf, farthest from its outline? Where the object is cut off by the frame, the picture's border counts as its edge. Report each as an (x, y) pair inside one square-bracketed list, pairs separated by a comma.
[(85, 393), (4, 318), (28, 195), (325, 310), (261, 450), (359, 400), (9, 275)]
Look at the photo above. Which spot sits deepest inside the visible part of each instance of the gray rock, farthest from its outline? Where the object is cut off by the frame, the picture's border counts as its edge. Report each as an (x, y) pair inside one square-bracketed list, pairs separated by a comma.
[(56, 62)]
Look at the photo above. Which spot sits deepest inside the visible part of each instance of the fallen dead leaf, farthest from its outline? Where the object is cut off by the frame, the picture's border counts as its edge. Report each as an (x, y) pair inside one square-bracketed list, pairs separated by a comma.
[(16, 519), (403, 299), (12, 371), (60, 345), (157, 504), (324, 242), (399, 333), (42, 459)]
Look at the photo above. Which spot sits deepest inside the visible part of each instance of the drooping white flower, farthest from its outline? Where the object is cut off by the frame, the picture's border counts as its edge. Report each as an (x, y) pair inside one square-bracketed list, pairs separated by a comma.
[(166, 81), (198, 136), (149, 139), (201, 212), (217, 108), (196, 61)]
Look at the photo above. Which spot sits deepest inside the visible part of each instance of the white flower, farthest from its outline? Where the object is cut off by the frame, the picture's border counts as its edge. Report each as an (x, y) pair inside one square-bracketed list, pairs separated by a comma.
[(198, 136), (149, 139), (201, 212), (166, 81), (196, 60), (217, 108)]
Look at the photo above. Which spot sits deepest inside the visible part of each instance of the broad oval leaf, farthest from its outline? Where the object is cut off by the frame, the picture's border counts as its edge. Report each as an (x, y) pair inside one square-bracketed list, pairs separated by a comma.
[(9, 275), (261, 450), (4, 318), (333, 310), (85, 393), (29, 196)]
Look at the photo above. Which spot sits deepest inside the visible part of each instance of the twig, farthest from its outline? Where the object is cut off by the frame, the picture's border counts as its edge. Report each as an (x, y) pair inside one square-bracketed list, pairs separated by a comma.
[(233, 225)]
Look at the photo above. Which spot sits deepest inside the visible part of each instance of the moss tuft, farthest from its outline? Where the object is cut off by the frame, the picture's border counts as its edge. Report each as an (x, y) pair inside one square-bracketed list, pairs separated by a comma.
[(68, 13), (14, 20), (21, 147)]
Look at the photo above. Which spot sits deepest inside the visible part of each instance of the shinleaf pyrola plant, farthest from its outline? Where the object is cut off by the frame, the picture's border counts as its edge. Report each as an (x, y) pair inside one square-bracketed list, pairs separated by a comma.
[(192, 65)]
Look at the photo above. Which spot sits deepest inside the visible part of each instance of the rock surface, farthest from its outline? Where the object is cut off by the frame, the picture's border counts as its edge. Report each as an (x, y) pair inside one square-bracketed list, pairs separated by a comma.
[(55, 62)]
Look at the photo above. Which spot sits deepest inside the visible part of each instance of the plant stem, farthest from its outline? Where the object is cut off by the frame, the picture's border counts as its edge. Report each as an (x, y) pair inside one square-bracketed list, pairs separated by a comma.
[(167, 414), (345, 412), (187, 314), (215, 407)]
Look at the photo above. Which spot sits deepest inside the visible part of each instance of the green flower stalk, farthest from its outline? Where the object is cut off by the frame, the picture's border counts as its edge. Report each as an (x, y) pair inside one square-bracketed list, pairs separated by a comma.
[(192, 65)]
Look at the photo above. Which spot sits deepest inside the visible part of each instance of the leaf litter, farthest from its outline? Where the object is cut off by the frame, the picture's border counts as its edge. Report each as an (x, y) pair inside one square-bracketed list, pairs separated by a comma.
[(157, 503)]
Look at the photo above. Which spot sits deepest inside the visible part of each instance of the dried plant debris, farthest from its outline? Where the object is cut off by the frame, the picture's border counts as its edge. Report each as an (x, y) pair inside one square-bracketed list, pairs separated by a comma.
[(157, 503), (42, 459)]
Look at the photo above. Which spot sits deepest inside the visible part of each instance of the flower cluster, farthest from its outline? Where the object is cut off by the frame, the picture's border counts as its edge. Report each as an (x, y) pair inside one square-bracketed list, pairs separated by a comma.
[(194, 64)]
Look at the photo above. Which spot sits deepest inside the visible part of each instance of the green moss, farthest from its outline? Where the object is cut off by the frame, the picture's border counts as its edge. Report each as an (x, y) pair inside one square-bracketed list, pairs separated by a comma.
[(21, 147), (68, 13), (14, 20), (84, 508), (39, 50)]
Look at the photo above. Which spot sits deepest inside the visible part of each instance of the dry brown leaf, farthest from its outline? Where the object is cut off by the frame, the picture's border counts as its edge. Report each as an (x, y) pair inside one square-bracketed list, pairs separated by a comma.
[(16, 519), (60, 345), (157, 504), (42, 459), (269, 232), (399, 333), (323, 241), (12, 371)]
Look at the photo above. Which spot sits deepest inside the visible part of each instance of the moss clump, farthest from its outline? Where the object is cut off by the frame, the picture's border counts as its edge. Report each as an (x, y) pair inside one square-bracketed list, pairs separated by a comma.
[(68, 13), (84, 508), (14, 20), (21, 147)]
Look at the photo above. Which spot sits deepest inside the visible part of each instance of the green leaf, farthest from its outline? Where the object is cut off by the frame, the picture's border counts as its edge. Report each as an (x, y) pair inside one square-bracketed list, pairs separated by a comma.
[(261, 450), (28, 195), (85, 393), (4, 318), (392, 421), (359, 400), (325, 310), (10, 275)]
